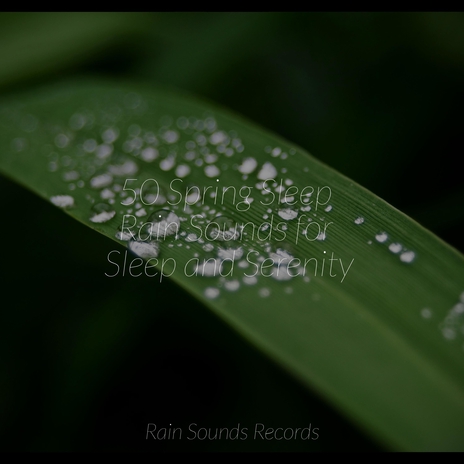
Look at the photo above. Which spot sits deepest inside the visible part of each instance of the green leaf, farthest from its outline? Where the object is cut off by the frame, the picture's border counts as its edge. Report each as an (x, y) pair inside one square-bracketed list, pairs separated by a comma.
[(376, 328)]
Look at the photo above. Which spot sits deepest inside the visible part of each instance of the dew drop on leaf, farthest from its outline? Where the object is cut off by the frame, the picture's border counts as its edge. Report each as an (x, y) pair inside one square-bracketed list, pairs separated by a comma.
[(222, 228), (248, 166), (100, 181), (264, 292), (426, 313), (211, 293), (395, 247), (268, 171), (145, 250), (212, 171), (381, 237), (163, 223), (63, 201), (103, 213), (287, 213), (407, 256), (232, 285)]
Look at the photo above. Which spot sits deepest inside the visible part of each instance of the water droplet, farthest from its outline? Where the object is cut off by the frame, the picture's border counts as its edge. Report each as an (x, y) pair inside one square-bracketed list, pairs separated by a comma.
[(211, 158), (248, 166), (211, 293), (209, 268), (70, 175), (230, 253), (218, 137), (268, 171), (171, 136), (182, 170), (61, 141), (232, 285), (208, 247), (250, 280), (321, 236), (222, 228), (144, 250), (264, 292), (77, 121), (153, 194), (288, 199), (127, 168), (127, 201), (104, 212), (106, 194), (110, 135), (359, 220), (168, 163), (426, 313), (329, 208), (283, 254), (100, 181), (395, 247), (103, 151), (190, 155), (102, 207), (90, 145), (149, 154), (182, 123), (124, 236), (458, 308), (63, 201), (162, 223), (281, 271), (381, 237), (287, 213), (191, 238), (407, 256), (192, 194), (212, 171), (103, 217), (449, 333)]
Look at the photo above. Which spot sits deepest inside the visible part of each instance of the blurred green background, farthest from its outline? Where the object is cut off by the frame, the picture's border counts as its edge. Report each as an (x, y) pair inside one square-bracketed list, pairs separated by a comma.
[(87, 361)]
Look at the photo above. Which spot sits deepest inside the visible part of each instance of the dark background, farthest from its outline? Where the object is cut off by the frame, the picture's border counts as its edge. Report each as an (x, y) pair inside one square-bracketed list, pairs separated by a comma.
[(87, 361)]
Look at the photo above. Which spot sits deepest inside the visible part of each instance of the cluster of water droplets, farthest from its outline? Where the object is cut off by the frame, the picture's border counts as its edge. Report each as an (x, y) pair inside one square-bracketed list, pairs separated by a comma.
[(452, 326), (96, 150), (405, 255)]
